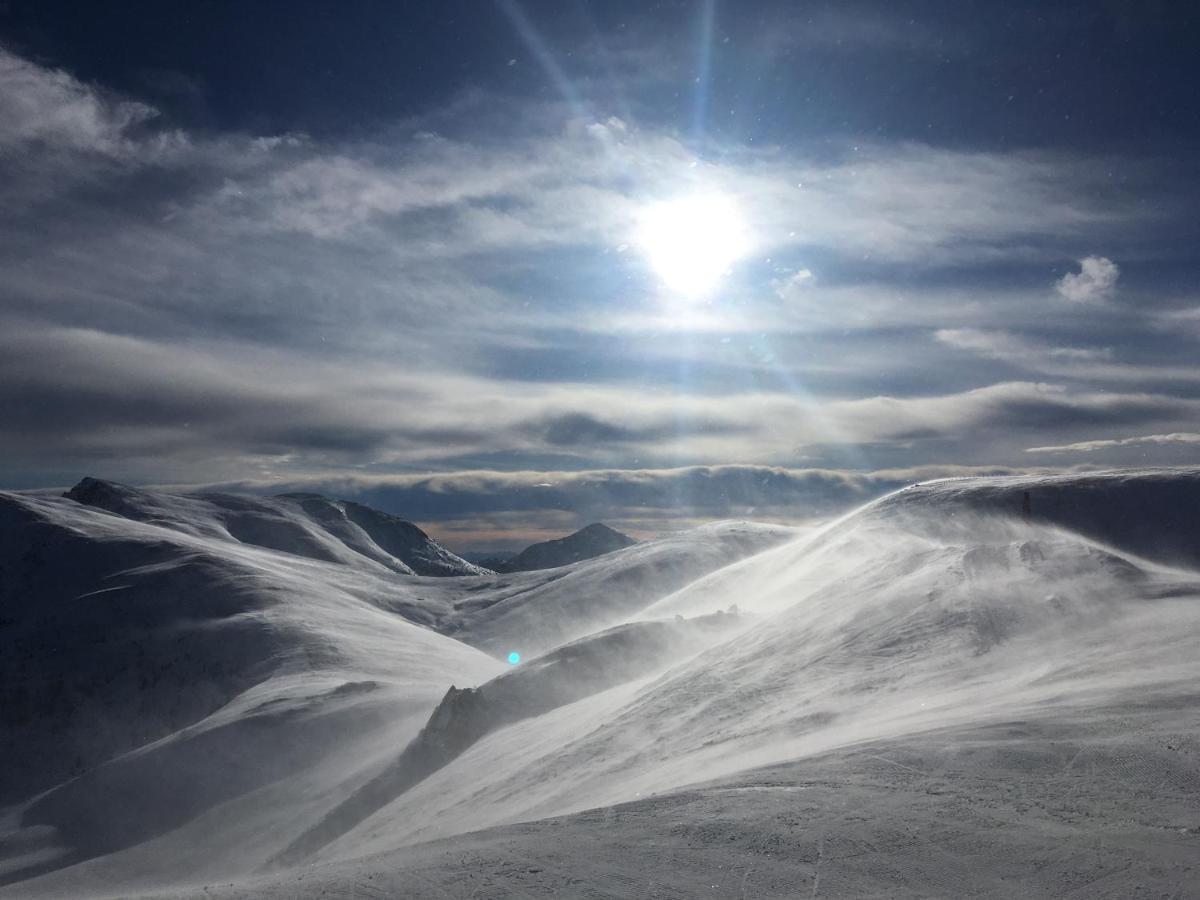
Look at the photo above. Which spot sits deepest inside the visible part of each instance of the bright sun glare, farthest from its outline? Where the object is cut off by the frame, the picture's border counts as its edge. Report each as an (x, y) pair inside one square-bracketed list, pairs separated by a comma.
[(692, 241)]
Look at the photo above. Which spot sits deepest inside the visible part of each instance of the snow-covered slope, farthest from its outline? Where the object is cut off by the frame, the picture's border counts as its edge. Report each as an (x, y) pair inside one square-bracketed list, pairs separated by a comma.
[(1150, 513), (586, 543), (151, 673), (569, 674), (532, 612), (172, 664), (952, 676), (303, 524), (903, 619)]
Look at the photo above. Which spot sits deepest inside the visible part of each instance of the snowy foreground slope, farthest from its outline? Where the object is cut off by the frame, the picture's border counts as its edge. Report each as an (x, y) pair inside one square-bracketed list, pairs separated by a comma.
[(223, 670), (978, 687)]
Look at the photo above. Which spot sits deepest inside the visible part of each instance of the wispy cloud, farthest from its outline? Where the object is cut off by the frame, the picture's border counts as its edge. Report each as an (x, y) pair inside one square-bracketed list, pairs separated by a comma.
[(127, 404), (1096, 364), (1014, 348), (1181, 437), (437, 296), (49, 109), (1180, 320)]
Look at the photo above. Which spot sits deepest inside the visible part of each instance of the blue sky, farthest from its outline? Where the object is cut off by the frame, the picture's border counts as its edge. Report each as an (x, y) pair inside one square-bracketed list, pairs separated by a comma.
[(356, 246)]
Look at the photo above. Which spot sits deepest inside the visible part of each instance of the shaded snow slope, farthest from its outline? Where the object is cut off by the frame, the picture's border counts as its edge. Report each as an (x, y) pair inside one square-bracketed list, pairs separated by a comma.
[(406, 541), (586, 543), (304, 524), (150, 673), (168, 684)]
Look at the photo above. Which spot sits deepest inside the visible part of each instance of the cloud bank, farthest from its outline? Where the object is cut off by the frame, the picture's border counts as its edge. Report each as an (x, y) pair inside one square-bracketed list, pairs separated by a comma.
[(506, 510)]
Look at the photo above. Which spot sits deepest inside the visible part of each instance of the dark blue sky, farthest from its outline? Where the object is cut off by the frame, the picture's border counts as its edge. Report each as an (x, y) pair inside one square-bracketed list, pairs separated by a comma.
[(352, 244), (1083, 74)]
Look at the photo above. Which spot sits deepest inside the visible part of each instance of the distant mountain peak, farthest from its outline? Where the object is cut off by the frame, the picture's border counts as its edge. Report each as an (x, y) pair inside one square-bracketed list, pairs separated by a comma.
[(586, 543), (98, 492), (599, 528)]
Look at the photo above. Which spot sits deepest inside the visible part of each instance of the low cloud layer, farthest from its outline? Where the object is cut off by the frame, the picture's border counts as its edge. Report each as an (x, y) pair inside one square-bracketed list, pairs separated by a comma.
[(144, 410), (505, 510)]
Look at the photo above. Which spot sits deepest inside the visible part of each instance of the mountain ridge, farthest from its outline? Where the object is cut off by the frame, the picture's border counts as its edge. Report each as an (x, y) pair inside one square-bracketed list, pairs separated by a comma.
[(327, 530)]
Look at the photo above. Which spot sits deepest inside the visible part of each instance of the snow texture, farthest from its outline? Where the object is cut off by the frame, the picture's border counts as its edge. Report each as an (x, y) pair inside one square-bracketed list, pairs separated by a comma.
[(975, 687)]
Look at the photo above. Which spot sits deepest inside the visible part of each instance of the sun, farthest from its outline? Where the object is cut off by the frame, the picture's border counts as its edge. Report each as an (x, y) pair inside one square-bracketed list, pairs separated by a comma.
[(691, 241)]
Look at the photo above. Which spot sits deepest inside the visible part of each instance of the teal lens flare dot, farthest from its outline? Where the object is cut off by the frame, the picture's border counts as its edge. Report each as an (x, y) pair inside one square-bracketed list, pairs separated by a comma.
[(514, 658)]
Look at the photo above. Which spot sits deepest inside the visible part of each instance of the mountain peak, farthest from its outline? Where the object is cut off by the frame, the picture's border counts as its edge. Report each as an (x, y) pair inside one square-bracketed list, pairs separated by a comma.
[(598, 529), (588, 542)]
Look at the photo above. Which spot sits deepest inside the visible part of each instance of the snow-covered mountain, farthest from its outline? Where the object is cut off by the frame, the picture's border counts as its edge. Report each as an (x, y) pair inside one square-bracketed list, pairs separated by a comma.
[(303, 524), (169, 659), (977, 687), (586, 543)]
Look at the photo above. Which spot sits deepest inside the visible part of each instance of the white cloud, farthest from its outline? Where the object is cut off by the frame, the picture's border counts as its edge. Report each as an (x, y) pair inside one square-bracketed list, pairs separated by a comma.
[(1093, 283), (50, 107), (1179, 437), (427, 256), (787, 287), (1093, 363), (1018, 349), (208, 408)]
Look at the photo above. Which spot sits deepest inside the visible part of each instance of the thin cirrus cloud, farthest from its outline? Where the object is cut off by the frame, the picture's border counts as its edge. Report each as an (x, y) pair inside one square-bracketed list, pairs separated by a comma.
[(205, 306)]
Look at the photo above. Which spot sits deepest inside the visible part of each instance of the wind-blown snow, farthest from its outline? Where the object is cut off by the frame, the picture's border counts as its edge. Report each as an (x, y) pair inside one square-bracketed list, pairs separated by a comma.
[(168, 661), (962, 645)]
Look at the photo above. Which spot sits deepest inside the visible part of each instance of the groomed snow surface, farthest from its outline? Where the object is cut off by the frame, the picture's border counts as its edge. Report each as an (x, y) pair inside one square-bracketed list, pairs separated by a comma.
[(974, 687)]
